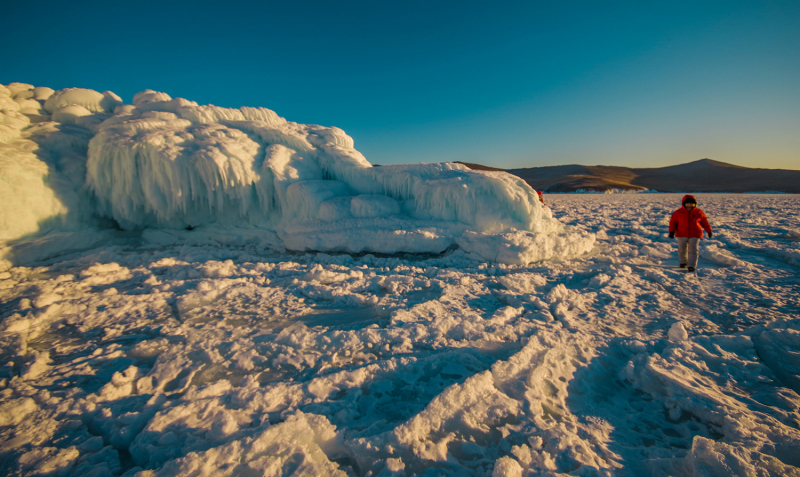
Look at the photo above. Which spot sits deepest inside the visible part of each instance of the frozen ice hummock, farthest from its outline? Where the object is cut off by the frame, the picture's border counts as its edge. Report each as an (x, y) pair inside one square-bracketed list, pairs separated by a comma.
[(171, 164)]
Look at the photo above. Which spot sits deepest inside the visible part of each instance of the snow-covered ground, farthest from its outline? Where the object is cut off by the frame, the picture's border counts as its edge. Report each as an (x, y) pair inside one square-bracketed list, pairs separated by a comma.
[(166, 308), (160, 354)]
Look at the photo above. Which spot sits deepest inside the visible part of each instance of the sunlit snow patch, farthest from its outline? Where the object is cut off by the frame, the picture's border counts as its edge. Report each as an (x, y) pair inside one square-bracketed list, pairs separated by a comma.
[(42, 172)]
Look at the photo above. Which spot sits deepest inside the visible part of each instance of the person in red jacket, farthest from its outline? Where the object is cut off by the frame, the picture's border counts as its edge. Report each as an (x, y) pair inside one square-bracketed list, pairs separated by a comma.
[(688, 223)]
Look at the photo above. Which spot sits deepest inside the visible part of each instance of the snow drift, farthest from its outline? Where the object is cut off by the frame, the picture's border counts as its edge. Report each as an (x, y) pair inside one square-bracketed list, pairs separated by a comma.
[(163, 163)]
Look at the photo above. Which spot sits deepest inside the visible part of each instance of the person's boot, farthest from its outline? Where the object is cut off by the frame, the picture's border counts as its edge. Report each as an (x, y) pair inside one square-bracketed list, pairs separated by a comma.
[(683, 265), (691, 269)]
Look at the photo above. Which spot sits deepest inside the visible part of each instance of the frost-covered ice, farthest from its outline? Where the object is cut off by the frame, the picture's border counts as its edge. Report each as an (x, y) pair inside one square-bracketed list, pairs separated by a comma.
[(160, 353), (77, 162)]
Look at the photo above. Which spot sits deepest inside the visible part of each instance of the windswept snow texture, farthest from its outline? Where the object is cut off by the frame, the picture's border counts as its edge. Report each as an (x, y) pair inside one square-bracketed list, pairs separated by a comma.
[(71, 156), (201, 359)]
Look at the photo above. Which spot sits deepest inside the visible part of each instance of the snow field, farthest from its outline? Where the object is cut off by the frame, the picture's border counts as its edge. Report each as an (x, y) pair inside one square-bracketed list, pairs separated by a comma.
[(152, 358)]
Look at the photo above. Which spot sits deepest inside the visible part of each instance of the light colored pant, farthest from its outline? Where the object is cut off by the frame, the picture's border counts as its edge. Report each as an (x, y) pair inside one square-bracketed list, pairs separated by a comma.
[(690, 245)]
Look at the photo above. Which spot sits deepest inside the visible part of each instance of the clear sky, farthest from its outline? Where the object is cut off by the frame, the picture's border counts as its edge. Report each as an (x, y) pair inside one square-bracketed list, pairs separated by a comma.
[(509, 84)]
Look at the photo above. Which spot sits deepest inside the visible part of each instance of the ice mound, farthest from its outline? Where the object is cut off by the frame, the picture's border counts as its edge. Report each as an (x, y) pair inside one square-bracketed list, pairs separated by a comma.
[(302, 443), (171, 164), (780, 350)]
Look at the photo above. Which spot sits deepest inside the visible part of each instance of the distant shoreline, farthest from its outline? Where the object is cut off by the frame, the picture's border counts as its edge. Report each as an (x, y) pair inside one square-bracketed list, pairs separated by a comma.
[(702, 176)]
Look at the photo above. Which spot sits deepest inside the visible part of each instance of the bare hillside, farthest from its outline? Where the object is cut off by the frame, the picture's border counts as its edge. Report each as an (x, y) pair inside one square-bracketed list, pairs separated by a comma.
[(705, 175)]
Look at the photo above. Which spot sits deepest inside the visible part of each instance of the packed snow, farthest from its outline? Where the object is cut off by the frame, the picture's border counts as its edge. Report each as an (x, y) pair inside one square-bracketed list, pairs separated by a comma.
[(75, 160), (202, 291), (154, 358)]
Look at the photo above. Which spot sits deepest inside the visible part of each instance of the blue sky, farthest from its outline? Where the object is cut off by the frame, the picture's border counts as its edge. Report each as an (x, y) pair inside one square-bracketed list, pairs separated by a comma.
[(511, 84)]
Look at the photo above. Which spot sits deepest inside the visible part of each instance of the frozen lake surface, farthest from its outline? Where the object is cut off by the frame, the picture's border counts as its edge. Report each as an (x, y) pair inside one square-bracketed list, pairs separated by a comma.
[(152, 360)]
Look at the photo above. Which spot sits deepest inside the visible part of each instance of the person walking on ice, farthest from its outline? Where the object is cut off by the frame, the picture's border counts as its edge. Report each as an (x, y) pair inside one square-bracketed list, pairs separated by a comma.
[(688, 223)]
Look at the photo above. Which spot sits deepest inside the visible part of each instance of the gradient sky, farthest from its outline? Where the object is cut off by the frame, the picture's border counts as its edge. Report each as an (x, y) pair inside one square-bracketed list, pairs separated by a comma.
[(512, 84)]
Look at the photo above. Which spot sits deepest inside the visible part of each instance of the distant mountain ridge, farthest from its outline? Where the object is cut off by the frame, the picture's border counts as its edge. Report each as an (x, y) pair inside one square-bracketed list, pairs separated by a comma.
[(705, 175)]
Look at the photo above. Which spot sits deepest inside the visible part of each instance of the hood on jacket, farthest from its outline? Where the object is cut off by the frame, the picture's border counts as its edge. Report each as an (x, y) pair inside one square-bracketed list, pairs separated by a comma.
[(688, 199)]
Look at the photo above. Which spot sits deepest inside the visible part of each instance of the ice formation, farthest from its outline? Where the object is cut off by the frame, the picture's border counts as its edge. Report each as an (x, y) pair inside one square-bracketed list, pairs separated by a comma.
[(170, 164)]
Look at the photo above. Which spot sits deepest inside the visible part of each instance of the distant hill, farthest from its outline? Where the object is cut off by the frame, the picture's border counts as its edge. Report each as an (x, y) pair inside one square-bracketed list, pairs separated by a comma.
[(705, 175)]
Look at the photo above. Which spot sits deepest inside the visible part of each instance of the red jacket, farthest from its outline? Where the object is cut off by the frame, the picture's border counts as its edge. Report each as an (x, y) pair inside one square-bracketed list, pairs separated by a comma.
[(689, 224)]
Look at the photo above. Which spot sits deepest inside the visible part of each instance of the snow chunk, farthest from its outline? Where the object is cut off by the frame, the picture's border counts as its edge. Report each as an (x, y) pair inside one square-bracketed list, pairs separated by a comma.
[(7, 104), (780, 350), (42, 93), (37, 367), (104, 274), (16, 88), (522, 282), (321, 275), (476, 405), (507, 467), (678, 333), (69, 114), (213, 269), (304, 440), (121, 385), (28, 104), (91, 100), (149, 96), (712, 458), (394, 467), (47, 299), (14, 411), (13, 89), (722, 256), (49, 460)]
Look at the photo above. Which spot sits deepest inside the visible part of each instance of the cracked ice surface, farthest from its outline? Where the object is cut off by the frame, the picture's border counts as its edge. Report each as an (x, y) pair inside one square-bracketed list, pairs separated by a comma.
[(146, 358)]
